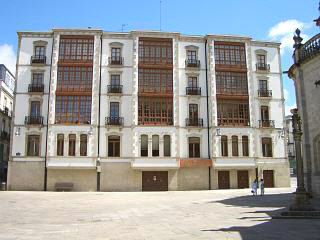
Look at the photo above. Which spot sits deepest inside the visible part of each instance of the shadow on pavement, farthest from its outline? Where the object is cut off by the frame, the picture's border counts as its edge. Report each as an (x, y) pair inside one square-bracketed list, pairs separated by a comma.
[(263, 227)]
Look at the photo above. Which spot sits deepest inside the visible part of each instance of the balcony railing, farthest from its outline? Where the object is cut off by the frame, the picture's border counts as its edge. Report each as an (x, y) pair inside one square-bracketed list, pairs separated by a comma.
[(116, 61), (193, 90), (36, 88), (5, 135), (310, 48), (194, 122), (262, 67), (114, 88), (6, 111), (266, 123), (33, 120), (265, 93), (114, 121), (194, 63), (38, 59)]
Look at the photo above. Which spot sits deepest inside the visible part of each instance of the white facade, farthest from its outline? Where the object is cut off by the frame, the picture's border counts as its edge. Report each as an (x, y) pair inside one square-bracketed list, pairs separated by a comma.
[(124, 173)]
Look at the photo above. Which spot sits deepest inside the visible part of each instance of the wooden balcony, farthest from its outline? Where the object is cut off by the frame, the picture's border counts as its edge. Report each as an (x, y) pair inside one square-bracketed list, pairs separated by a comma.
[(265, 93), (193, 91), (33, 120), (194, 122), (38, 59), (114, 121), (36, 88), (266, 124)]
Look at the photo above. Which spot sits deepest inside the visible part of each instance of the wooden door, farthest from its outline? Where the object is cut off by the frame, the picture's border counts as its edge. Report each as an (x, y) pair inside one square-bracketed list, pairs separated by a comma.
[(243, 179), (268, 178), (155, 181), (223, 180)]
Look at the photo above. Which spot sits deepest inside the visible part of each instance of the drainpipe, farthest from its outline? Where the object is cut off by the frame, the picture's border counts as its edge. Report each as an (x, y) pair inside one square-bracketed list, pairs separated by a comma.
[(46, 153), (208, 127), (98, 157)]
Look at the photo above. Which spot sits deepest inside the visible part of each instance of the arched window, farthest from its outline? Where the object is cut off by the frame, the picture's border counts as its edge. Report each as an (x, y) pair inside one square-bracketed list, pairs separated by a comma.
[(144, 146), (155, 146), (235, 149), (114, 146), (224, 146), (167, 146), (83, 144)]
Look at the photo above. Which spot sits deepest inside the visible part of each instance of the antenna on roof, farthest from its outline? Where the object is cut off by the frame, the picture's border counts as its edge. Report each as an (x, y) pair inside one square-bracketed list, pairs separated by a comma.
[(160, 14), (122, 26)]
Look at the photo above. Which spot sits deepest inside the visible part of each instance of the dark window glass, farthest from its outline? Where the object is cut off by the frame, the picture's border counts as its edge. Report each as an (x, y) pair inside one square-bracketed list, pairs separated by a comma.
[(167, 146), (114, 146), (245, 146), (194, 147), (72, 144), (224, 146), (233, 113), (144, 146), (76, 48), (39, 51), (235, 149), (37, 78), (115, 80), (114, 109), (35, 109), (267, 147), (155, 146), (83, 144), (232, 83), (232, 54), (155, 80), (60, 144), (33, 145), (192, 82)]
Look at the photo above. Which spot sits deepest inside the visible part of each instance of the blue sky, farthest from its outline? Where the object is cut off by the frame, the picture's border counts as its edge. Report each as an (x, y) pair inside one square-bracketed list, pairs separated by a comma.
[(261, 20)]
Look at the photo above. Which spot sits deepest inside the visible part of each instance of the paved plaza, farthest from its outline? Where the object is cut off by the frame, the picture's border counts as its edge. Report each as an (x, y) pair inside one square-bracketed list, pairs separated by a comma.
[(216, 214)]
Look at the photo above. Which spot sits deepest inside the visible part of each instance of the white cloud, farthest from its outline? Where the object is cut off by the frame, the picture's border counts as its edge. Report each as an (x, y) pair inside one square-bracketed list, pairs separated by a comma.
[(8, 57), (288, 108), (284, 31)]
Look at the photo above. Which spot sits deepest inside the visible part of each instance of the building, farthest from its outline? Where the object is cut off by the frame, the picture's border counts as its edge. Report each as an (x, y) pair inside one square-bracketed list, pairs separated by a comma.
[(290, 145), (305, 74), (146, 110), (6, 106)]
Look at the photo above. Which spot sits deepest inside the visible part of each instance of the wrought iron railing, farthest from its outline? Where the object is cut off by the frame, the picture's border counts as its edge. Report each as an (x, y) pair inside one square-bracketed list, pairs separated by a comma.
[(193, 63), (117, 121), (33, 120), (266, 123), (114, 88), (115, 60), (193, 91), (38, 59), (35, 87), (262, 67), (265, 93), (195, 122)]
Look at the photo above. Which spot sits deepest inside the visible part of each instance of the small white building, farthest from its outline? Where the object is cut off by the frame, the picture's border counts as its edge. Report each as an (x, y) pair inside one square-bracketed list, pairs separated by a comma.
[(146, 110)]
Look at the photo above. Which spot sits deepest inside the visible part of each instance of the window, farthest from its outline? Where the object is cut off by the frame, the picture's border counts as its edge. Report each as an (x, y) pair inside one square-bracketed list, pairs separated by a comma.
[(39, 51), (266, 147), (194, 147), (155, 111), (155, 146), (227, 53), (74, 79), (233, 113), (76, 48), (114, 146), (192, 82), (235, 149), (245, 146), (72, 144), (73, 109), (167, 146), (3, 127), (264, 113), (114, 109), (35, 109), (37, 78), (192, 56), (115, 54), (155, 80), (33, 148), (144, 146), (115, 80), (193, 112), (232, 83), (155, 51), (83, 144), (60, 144), (261, 59), (224, 146)]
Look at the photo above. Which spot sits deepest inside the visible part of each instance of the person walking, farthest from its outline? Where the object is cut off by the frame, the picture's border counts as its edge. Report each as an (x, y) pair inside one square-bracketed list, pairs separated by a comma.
[(254, 187), (262, 186)]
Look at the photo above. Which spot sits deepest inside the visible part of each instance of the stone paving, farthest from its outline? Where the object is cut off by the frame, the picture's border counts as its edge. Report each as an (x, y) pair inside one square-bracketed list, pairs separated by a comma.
[(216, 214)]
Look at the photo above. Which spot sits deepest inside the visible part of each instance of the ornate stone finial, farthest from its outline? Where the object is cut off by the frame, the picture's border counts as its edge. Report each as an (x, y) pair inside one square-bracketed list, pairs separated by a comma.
[(297, 39)]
